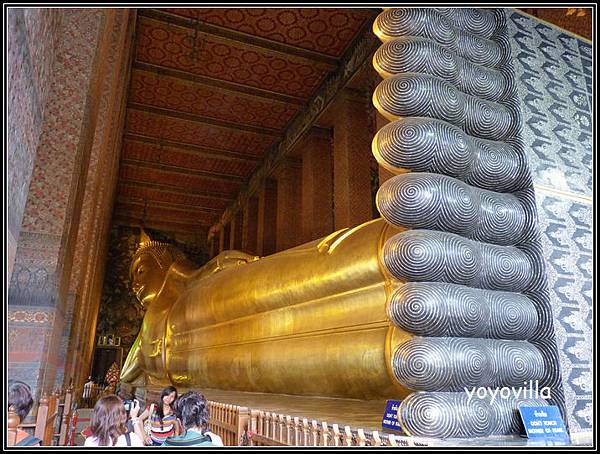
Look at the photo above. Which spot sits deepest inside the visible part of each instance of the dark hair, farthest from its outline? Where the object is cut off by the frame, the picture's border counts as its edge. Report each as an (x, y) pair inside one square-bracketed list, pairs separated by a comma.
[(19, 397), (108, 420), (192, 410), (160, 406)]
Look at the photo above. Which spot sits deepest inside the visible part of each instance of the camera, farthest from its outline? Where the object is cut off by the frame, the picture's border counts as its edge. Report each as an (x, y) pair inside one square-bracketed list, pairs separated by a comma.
[(128, 404)]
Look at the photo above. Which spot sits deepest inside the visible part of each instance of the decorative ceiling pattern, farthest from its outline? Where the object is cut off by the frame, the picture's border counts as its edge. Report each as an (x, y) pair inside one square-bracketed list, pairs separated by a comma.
[(323, 30), (171, 157), (211, 92), (184, 49), (196, 133), (153, 89)]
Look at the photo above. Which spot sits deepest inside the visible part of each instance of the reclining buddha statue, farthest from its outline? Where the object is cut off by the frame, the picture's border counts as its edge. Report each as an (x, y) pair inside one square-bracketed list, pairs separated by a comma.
[(443, 295)]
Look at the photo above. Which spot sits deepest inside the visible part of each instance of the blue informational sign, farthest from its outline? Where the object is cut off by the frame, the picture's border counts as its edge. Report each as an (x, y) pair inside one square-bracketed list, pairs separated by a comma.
[(543, 423), (390, 417)]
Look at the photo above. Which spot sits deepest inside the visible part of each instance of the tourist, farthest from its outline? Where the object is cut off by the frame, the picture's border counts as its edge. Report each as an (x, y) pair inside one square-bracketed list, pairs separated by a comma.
[(109, 424), (19, 398), (163, 423), (128, 401), (191, 410)]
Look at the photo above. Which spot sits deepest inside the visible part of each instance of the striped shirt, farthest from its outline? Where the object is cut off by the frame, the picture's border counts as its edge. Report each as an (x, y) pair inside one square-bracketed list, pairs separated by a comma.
[(159, 434)]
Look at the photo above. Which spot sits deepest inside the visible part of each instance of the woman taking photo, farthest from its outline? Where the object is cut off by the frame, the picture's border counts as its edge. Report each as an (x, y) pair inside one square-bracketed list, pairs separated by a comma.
[(109, 424), (161, 418)]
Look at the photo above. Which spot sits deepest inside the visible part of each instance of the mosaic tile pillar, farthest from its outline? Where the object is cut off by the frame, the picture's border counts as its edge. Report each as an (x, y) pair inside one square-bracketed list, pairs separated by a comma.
[(32, 34), (554, 83), (37, 291), (317, 185), (352, 203)]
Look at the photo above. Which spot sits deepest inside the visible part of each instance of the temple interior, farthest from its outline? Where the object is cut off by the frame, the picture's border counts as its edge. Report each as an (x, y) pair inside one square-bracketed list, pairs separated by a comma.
[(247, 140)]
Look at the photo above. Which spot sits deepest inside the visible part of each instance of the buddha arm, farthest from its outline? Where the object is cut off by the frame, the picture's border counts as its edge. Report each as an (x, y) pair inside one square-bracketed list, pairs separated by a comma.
[(132, 367)]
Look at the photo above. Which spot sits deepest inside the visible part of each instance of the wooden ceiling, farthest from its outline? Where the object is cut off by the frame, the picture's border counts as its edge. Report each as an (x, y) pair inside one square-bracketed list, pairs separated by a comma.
[(212, 90)]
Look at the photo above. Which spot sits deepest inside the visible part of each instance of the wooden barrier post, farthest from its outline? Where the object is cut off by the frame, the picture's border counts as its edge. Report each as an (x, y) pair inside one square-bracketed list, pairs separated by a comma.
[(325, 434), (243, 423), (376, 438), (362, 439), (254, 415), (288, 431), (42, 416), (297, 440), (66, 417), (336, 435), (314, 432), (13, 426)]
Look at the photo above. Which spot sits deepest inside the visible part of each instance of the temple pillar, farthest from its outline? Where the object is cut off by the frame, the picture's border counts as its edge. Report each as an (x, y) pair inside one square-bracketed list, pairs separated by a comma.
[(221, 239), (353, 203), (227, 236), (267, 218), (38, 290), (317, 185), (289, 206), (92, 238), (235, 240), (250, 225)]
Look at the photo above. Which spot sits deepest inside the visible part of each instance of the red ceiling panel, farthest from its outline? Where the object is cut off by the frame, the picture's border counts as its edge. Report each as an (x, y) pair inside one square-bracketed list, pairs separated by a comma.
[(178, 48), (169, 156), (190, 182), (185, 96), (194, 133), (151, 212), (137, 192), (325, 30)]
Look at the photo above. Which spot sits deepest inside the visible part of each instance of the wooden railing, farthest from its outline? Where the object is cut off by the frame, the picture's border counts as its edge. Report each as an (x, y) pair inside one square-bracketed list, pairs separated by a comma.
[(248, 427), (52, 421), (230, 422)]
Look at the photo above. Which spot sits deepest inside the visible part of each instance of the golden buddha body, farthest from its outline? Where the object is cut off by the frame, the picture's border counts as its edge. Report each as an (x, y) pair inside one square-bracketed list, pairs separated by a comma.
[(310, 320)]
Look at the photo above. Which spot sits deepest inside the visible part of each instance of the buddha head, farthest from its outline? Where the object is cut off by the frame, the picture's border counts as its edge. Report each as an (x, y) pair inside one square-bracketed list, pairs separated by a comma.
[(149, 268)]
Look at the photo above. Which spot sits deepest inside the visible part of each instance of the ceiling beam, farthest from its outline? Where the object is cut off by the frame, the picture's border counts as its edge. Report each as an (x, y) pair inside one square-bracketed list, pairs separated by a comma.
[(126, 200), (183, 171), (224, 34), (206, 120), (168, 189), (138, 211), (356, 57), (204, 152), (165, 226), (232, 87)]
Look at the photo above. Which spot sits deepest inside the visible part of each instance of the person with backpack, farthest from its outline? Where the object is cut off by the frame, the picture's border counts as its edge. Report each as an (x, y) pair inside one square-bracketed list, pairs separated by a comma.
[(191, 409), (19, 398), (109, 424)]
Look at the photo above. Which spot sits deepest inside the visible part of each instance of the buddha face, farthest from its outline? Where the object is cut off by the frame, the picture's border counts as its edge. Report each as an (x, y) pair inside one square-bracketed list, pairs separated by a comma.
[(146, 278)]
